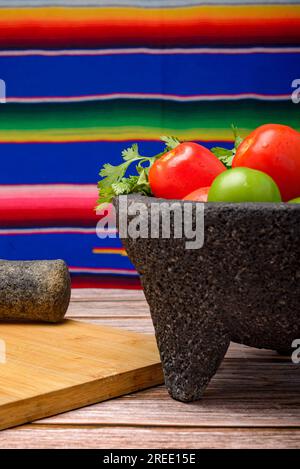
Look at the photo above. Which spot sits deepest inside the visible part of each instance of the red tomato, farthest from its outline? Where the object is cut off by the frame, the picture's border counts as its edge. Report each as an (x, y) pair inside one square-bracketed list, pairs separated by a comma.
[(275, 150), (183, 170), (199, 195)]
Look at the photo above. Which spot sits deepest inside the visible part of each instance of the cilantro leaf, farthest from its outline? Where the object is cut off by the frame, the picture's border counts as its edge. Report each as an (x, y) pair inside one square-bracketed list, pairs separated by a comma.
[(171, 142), (114, 181), (221, 152), (237, 138), (131, 153), (226, 155), (111, 173), (125, 185)]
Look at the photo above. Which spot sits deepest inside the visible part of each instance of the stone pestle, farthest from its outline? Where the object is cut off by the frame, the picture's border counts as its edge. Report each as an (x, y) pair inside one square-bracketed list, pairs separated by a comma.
[(34, 290)]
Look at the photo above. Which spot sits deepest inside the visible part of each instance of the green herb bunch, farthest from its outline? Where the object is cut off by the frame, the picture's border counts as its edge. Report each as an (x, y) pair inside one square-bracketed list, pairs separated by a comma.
[(114, 180)]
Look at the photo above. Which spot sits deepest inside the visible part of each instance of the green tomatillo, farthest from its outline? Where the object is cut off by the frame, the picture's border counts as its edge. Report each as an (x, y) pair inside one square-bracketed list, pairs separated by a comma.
[(244, 185)]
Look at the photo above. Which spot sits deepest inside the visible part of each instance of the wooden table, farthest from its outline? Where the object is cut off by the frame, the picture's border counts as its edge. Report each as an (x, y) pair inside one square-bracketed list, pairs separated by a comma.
[(252, 402)]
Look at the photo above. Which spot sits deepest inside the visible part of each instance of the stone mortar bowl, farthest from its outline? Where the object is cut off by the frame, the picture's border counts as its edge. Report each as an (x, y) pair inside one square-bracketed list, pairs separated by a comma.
[(243, 286)]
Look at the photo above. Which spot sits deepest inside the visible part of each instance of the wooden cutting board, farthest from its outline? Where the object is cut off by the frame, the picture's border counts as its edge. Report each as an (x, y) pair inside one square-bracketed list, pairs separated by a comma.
[(48, 369)]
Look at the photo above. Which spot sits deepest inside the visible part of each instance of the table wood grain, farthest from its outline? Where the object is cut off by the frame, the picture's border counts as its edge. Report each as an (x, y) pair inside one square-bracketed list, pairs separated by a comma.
[(252, 402)]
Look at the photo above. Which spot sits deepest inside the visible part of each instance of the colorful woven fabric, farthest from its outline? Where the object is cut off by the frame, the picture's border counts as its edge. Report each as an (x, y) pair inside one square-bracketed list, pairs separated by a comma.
[(83, 82)]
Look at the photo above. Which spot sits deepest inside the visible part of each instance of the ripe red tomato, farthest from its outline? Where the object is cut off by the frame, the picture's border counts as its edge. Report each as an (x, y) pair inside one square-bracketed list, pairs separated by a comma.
[(199, 195), (183, 170), (275, 150)]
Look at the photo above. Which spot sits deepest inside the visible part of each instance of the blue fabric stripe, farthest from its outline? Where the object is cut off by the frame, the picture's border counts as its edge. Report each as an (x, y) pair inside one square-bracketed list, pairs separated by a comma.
[(74, 163), (178, 74), (75, 249)]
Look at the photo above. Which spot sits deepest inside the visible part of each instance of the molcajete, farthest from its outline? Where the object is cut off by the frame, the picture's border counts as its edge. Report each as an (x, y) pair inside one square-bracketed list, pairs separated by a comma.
[(242, 285)]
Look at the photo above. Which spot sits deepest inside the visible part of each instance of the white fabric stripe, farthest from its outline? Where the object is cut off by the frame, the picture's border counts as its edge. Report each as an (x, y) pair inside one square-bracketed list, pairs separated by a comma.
[(90, 270), (4, 188), (145, 96), (63, 230), (150, 51), (42, 231)]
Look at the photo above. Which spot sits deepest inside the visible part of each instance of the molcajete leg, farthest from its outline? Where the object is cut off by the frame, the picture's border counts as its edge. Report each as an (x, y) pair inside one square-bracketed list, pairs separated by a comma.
[(192, 342)]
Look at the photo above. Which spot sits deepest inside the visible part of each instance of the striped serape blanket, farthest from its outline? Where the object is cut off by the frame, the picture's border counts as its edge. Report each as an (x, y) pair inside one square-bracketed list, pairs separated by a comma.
[(86, 79)]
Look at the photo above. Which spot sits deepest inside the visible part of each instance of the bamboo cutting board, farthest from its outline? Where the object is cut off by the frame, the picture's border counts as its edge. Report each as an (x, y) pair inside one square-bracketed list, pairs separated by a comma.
[(48, 369)]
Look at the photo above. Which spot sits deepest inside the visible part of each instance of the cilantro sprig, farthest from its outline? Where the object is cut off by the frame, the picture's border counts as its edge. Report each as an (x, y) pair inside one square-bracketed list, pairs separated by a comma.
[(114, 181), (226, 155)]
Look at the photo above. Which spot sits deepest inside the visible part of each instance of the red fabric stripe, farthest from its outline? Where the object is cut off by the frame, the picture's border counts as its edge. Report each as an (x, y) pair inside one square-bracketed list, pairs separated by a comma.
[(93, 281), (242, 31), (48, 206)]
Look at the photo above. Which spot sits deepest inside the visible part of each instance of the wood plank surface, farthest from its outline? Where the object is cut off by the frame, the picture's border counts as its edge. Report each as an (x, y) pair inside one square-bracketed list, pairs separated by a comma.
[(108, 309), (106, 294), (253, 400), (101, 437)]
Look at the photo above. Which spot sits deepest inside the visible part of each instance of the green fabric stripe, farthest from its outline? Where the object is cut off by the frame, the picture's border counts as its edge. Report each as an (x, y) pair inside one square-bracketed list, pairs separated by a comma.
[(147, 114)]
